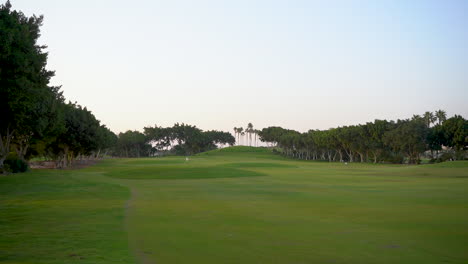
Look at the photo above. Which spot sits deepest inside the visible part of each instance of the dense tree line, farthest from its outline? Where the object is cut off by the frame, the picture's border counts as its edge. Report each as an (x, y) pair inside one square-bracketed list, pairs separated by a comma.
[(35, 120), (180, 139), (379, 141)]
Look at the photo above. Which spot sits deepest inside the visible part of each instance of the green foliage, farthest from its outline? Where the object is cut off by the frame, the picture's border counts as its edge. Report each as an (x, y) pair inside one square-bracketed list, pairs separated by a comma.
[(455, 130), (27, 103), (132, 144), (14, 164), (408, 137), (183, 139), (35, 119), (404, 141), (445, 157)]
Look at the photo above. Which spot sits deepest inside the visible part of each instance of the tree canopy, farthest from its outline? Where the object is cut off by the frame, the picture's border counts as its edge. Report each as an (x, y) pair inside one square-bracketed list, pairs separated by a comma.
[(378, 141), (28, 104)]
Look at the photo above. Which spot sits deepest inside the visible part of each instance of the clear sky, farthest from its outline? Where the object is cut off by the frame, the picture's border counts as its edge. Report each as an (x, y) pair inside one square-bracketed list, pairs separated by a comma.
[(219, 64)]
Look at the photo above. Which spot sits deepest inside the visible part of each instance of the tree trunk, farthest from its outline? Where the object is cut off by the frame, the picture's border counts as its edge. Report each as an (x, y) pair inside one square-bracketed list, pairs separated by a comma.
[(21, 149), (5, 144), (361, 156)]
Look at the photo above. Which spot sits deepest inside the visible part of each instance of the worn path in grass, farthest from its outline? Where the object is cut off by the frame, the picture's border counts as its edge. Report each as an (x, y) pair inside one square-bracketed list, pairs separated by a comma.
[(238, 206)]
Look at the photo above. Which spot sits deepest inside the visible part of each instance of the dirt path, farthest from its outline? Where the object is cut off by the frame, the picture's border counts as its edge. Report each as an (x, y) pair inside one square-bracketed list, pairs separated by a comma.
[(141, 255)]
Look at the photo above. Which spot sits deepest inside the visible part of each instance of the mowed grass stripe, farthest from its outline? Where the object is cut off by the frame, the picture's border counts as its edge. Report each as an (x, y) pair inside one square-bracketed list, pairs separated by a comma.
[(181, 172)]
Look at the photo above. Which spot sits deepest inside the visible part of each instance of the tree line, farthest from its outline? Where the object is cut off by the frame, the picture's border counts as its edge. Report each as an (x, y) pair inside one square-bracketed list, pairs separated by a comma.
[(37, 122), (180, 139), (401, 141)]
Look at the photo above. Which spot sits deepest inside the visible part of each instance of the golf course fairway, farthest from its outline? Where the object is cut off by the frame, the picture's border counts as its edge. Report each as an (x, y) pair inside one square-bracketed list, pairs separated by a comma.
[(236, 205)]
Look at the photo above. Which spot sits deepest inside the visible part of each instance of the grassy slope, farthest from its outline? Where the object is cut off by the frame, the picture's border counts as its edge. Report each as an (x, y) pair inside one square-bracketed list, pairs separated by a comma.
[(61, 217), (295, 212), (304, 212)]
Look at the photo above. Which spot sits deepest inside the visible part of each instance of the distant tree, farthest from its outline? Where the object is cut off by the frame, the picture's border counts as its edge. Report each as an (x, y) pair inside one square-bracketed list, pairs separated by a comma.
[(435, 139), (256, 131), (235, 132), (106, 140), (376, 131), (346, 137), (455, 130), (429, 118), (272, 134), (409, 137), (215, 138), (249, 132), (158, 137), (241, 134), (441, 116), (132, 144), (187, 139)]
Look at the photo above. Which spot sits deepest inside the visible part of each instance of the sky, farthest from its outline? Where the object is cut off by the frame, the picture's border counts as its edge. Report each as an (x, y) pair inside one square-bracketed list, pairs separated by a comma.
[(221, 64)]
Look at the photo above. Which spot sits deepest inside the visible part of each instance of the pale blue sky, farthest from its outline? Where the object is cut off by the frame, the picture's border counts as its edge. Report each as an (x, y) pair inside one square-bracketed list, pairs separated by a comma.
[(219, 64)]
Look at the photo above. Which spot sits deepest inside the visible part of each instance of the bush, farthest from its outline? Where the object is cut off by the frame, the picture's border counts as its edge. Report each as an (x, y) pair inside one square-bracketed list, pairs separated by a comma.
[(395, 158), (445, 157), (14, 164), (460, 155)]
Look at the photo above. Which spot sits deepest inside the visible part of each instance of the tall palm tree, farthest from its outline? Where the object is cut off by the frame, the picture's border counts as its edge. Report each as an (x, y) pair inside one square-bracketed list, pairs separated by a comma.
[(249, 130), (240, 133), (429, 118), (441, 116), (256, 135), (235, 132)]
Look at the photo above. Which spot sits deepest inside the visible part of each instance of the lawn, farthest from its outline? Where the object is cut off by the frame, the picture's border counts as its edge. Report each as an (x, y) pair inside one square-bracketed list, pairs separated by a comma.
[(236, 205)]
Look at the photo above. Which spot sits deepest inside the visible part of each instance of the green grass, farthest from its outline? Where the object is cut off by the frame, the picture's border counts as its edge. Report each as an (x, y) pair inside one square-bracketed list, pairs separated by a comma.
[(214, 209), (60, 217), (181, 172)]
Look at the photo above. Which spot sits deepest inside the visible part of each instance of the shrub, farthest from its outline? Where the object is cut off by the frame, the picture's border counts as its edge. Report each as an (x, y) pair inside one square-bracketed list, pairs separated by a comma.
[(14, 164), (460, 155), (445, 157), (395, 158)]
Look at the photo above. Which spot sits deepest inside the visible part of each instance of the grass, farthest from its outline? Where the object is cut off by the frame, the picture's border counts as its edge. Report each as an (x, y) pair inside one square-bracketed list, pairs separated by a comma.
[(181, 172), (60, 217), (215, 209)]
